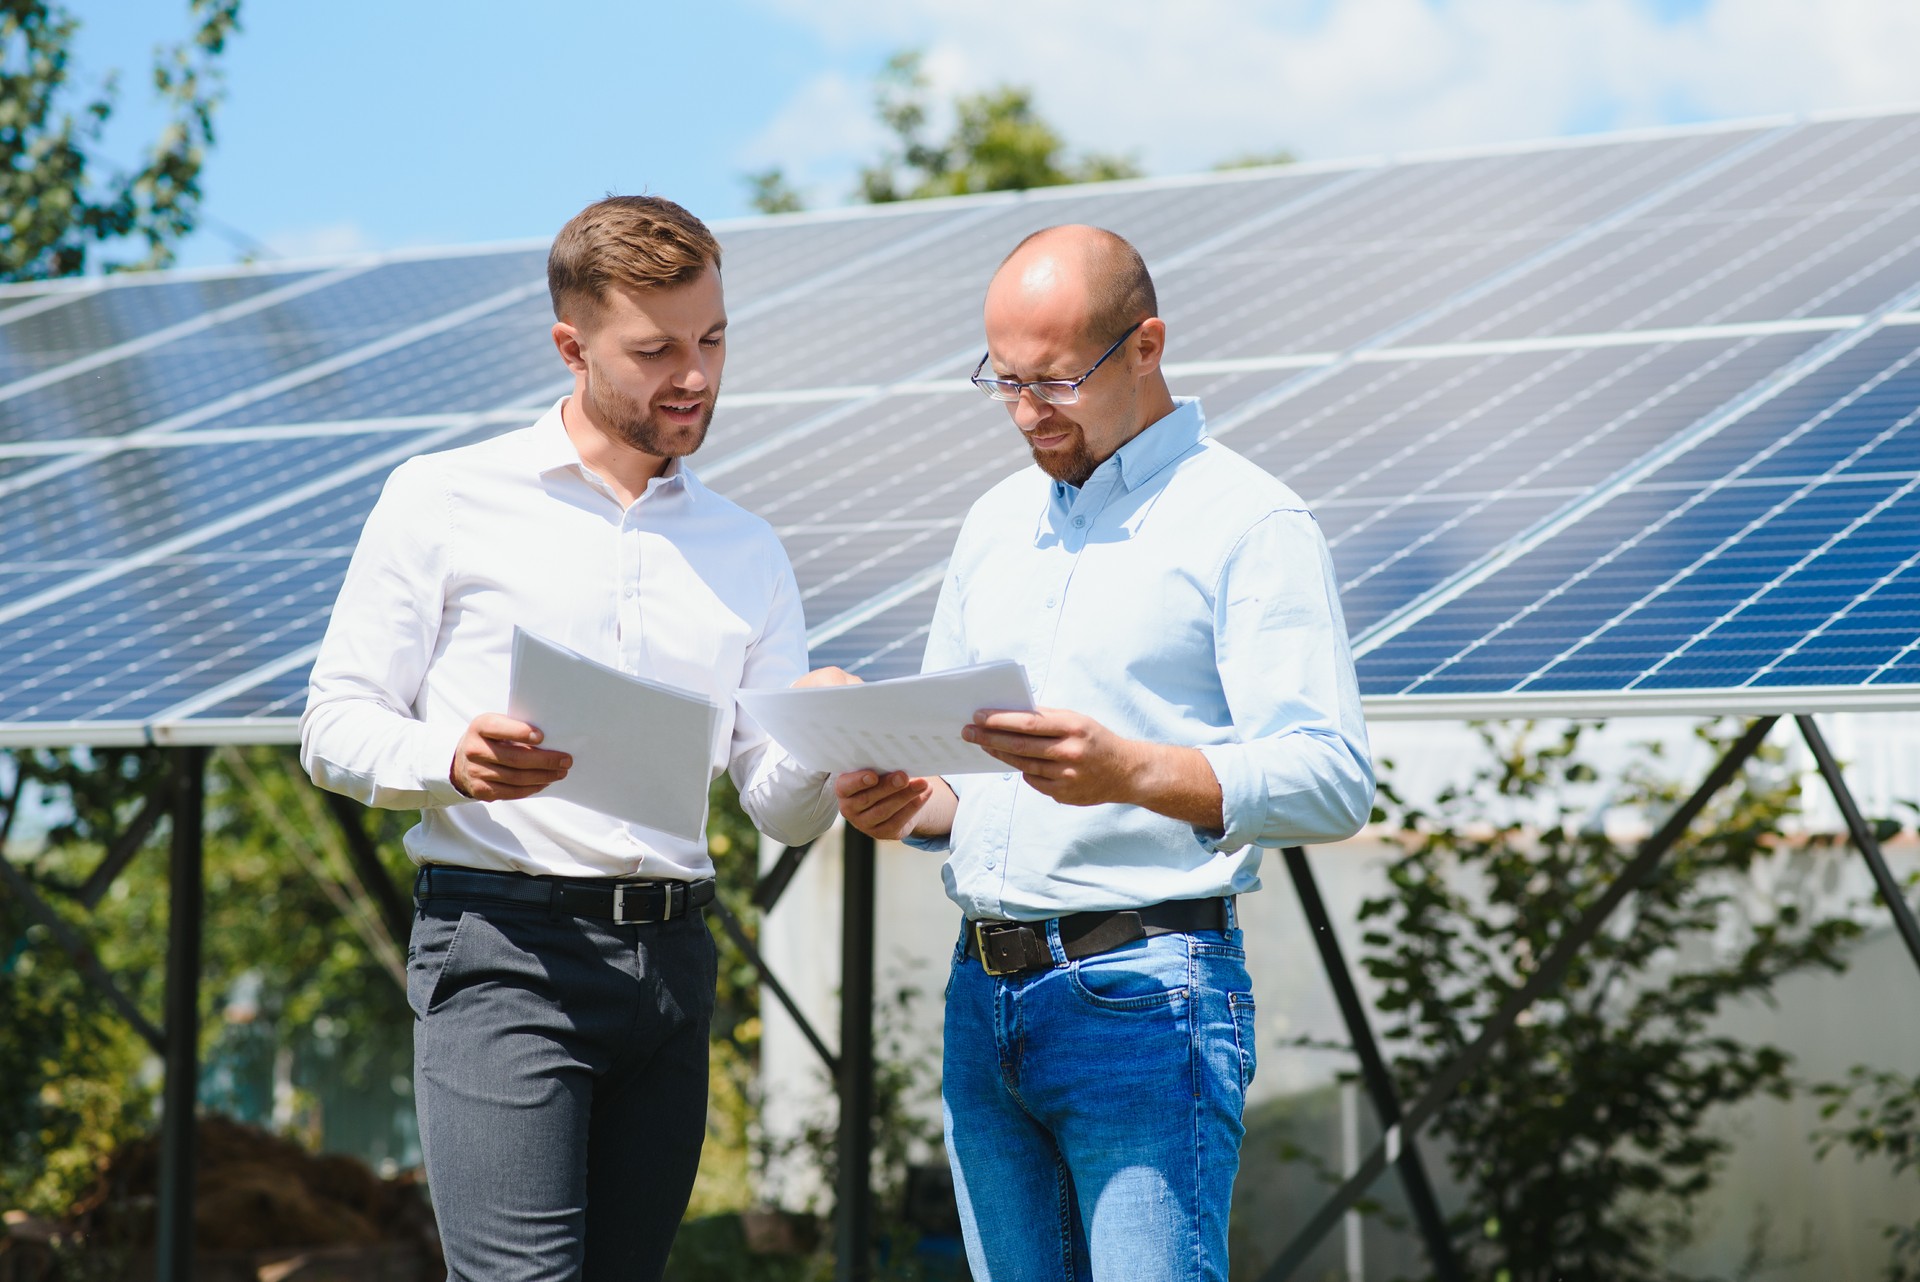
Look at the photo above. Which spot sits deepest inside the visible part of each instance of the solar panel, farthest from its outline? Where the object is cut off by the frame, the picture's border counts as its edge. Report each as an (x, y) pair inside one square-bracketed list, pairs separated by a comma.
[(1610, 425)]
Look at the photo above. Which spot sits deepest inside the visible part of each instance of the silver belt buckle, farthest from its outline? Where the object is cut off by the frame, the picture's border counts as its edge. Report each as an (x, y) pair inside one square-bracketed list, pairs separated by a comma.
[(667, 912)]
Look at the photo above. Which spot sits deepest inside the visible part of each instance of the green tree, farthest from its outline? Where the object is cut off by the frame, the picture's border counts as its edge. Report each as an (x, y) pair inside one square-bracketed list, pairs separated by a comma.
[(295, 959), (1256, 160), (58, 198), (999, 142), (770, 192), (1882, 1119), (1583, 1142)]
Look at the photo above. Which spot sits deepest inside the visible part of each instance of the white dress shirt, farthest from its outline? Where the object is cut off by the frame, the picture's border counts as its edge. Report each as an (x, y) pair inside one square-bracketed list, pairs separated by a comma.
[(683, 587), (1183, 596)]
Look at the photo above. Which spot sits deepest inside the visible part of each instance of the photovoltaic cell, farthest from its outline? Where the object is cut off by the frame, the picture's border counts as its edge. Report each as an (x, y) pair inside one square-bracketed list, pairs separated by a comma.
[(282, 695), (1820, 221), (98, 514), (503, 358), (1559, 496), (1391, 249), (152, 386), (113, 314), (143, 641), (921, 318), (1772, 554)]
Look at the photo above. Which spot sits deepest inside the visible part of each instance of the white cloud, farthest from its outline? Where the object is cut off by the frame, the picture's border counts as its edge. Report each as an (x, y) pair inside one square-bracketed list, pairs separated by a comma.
[(823, 133), (1184, 85), (329, 241)]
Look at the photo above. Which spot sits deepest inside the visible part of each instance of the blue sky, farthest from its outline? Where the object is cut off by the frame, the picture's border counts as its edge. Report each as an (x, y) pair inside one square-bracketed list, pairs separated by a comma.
[(354, 125)]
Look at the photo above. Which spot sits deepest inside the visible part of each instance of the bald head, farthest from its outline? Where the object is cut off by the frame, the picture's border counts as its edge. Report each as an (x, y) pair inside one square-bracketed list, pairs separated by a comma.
[(1088, 271)]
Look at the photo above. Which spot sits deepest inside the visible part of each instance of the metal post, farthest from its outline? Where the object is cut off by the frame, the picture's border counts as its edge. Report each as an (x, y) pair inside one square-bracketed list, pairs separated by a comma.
[(1373, 1068), (853, 1212), (1545, 978), (173, 1256), (1862, 836)]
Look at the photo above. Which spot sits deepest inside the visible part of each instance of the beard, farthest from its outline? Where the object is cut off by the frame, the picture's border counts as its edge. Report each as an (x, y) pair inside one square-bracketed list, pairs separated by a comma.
[(1072, 465), (639, 427)]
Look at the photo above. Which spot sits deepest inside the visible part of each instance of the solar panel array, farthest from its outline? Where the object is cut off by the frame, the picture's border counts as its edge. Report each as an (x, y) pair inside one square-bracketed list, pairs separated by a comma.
[(1621, 424)]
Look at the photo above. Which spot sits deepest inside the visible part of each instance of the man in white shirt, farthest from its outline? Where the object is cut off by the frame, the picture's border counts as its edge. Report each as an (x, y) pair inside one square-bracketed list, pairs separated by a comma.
[(561, 976)]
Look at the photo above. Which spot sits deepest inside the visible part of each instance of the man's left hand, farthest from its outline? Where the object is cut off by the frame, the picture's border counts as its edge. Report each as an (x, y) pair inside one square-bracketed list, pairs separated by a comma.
[(826, 677), (1064, 755)]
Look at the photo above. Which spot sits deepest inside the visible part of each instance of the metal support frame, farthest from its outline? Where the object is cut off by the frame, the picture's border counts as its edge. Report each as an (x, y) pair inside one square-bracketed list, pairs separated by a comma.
[(173, 1253), (853, 1209), (1863, 838), (1373, 1068), (392, 903), (738, 934), (124, 848), (89, 894), (767, 891), (1545, 978), (84, 958)]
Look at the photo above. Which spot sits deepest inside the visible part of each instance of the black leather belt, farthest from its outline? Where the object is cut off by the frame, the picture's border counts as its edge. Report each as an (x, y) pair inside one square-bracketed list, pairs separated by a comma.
[(621, 902), (1015, 947)]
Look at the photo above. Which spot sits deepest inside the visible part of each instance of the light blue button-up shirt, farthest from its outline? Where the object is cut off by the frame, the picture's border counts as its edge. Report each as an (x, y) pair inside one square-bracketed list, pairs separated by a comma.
[(1183, 596)]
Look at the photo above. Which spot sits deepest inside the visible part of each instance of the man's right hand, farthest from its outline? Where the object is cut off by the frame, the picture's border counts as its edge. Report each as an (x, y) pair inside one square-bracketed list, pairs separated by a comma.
[(887, 806), (499, 759)]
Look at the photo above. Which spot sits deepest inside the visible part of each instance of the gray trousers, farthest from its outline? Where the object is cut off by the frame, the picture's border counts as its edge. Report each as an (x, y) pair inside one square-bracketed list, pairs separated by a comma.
[(560, 1075)]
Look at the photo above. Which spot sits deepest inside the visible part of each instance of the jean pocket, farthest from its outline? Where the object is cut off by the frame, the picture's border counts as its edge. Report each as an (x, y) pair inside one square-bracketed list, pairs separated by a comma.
[(1241, 1007), (1145, 975), (430, 954)]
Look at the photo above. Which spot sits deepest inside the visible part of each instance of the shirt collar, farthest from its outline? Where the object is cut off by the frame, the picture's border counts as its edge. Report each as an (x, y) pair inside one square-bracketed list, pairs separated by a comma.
[(1158, 444), (549, 449)]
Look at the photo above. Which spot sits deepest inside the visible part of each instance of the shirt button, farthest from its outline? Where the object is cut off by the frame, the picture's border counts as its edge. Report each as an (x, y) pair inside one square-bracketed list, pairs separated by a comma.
[(991, 865), (1079, 522), (1050, 603)]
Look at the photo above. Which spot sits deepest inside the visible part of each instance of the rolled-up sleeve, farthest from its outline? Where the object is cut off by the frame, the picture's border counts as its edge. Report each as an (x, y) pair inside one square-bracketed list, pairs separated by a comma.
[(785, 800), (1298, 769), (359, 735)]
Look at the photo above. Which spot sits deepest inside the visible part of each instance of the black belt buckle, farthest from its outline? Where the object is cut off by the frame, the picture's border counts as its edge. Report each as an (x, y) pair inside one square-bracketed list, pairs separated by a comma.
[(665, 888), (1001, 945)]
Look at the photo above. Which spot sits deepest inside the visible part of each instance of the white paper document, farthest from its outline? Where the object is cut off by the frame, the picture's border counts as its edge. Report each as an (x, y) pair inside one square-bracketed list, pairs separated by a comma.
[(907, 723), (641, 750)]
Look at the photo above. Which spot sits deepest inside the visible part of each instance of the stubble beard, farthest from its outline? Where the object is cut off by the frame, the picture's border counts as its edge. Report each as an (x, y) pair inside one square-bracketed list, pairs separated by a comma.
[(1073, 465), (640, 428)]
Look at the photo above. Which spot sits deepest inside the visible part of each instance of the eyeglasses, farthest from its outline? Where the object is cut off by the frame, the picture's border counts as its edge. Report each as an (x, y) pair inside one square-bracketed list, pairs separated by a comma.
[(1054, 391)]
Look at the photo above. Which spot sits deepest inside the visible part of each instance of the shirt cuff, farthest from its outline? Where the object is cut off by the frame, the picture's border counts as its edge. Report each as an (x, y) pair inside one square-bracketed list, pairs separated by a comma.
[(437, 746), (936, 845), (1243, 800)]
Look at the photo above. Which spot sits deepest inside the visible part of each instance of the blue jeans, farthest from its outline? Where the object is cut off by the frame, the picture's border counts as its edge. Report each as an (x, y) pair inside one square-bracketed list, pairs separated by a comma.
[(1093, 1111)]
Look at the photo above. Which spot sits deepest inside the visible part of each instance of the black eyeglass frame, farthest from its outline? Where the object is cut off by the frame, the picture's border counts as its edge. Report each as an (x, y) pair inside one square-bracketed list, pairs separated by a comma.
[(997, 388)]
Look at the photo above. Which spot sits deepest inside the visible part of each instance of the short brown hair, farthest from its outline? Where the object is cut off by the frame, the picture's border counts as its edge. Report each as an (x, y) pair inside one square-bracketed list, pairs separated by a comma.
[(626, 242)]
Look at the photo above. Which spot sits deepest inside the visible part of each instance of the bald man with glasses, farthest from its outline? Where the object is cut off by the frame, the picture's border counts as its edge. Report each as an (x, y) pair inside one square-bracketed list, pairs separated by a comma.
[(1175, 609)]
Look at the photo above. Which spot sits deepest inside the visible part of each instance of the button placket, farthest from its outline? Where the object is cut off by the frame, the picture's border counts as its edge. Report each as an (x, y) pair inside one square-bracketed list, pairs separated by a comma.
[(632, 634)]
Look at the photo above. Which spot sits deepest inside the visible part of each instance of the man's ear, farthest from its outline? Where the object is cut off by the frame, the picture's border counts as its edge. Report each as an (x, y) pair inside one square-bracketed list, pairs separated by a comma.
[(1149, 345), (566, 337)]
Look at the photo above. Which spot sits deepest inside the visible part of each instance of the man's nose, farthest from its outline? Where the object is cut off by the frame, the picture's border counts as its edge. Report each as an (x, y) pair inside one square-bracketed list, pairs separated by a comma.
[(1029, 412), (697, 374)]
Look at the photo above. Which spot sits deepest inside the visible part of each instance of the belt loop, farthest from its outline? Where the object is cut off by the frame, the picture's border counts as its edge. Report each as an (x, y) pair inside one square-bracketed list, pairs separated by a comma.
[(553, 901), (1233, 912), (1057, 949)]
